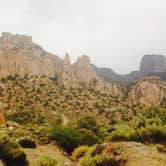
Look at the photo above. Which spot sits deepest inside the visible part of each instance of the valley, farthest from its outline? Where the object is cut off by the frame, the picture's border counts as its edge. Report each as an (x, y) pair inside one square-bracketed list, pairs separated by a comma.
[(53, 112)]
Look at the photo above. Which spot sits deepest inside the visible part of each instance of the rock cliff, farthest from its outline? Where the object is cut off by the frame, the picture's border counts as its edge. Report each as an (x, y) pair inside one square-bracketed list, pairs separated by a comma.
[(152, 64), (19, 55), (148, 91)]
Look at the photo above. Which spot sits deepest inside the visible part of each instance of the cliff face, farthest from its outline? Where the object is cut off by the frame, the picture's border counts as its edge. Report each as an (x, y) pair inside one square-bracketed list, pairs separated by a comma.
[(152, 64), (86, 75), (68, 75), (19, 55), (148, 91)]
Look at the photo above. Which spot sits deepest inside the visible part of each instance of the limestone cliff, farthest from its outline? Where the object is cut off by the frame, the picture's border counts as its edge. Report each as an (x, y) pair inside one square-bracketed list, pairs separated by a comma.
[(68, 76), (19, 55), (148, 91), (86, 75), (152, 64)]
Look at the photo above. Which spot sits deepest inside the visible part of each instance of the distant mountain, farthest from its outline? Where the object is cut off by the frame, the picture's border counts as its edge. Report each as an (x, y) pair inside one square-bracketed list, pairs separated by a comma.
[(151, 65), (19, 56)]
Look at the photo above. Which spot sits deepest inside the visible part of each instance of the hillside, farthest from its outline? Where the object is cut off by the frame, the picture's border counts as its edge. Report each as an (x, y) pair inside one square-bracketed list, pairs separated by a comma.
[(53, 112)]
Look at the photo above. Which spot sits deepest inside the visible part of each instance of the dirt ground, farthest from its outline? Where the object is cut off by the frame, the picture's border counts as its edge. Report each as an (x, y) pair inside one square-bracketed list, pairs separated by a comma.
[(52, 150)]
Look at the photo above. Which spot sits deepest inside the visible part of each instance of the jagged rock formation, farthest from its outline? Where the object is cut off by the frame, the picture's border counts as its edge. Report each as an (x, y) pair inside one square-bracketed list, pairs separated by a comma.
[(148, 91), (19, 55), (87, 76), (83, 70), (151, 65), (68, 76)]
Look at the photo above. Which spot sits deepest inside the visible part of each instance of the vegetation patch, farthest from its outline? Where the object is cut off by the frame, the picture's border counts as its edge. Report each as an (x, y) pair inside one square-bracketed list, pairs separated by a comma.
[(11, 153), (96, 156), (48, 161), (71, 137), (80, 151), (149, 126)]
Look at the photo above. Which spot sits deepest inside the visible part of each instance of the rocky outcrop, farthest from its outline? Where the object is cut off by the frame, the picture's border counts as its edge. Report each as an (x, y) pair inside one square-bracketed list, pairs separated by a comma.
[(86, 75), (138, 154), (125, 154), (83, 70), (68, 75), (151, 64), (19, 55), (148, 91)]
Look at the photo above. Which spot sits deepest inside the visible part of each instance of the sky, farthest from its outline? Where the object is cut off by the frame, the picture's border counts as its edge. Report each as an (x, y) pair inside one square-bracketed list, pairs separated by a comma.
[(113, 33)]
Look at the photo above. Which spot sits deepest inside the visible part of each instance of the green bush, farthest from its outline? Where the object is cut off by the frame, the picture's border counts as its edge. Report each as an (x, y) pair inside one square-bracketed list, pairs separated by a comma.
[(24, 116), (148, 126), (48, 161), (149, 133), (98, 158), (11, 153), (89, 123), (70, 137), (80, 151), (122, 133)]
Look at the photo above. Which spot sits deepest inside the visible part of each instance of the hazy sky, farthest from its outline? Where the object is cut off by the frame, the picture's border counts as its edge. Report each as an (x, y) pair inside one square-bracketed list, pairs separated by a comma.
[(114, 33)]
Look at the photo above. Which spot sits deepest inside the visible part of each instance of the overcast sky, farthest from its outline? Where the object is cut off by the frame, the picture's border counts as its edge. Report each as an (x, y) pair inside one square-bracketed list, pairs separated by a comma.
[(113, 33)]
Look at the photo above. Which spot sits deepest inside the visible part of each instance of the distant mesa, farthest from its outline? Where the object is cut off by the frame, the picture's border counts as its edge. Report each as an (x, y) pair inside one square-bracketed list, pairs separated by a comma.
[(151, 65)]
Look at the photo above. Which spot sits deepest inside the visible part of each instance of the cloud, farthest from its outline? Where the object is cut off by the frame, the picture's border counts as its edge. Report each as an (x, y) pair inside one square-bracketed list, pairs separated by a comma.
[(114, 33)]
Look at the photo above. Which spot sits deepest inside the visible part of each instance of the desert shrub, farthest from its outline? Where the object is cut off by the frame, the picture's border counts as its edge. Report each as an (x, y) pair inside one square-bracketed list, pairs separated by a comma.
[(98, 160), (11, 77), (58, 119), (161, 148), (150, 133), (48, 161), (148, 126), (80, 151), (95, 157), (27, 143), (122, 133), (24, 116), (70, 137), (89, 123), (11, 153), (155, 112)]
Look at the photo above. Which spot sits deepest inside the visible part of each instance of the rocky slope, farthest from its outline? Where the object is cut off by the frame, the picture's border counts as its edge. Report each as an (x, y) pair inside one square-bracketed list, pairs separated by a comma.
[(19, 55), (148, 91), (124, 154)]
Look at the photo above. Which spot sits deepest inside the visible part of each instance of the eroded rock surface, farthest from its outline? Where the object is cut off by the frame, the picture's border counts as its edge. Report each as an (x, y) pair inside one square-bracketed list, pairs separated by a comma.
[(19, 55)]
